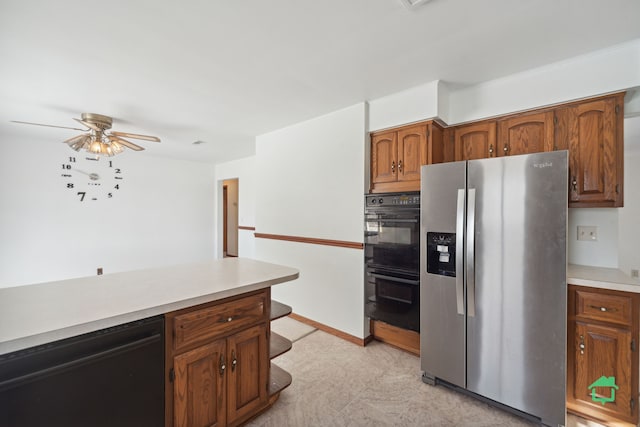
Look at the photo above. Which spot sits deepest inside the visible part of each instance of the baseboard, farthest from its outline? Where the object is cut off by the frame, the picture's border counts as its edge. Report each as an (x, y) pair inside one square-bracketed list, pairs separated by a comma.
[(328, 329), (401, 338)]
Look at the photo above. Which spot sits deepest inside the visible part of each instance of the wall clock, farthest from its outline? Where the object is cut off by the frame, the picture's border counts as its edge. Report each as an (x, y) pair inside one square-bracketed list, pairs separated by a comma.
[(91, 178)]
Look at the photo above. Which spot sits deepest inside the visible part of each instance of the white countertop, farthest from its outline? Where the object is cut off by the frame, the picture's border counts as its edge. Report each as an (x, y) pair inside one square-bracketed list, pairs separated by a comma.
[(37, 314), (600, 277)]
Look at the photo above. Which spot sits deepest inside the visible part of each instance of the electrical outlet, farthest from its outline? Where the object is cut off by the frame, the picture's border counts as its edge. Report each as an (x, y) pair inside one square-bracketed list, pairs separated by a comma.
[(588, 233), (99, 271), (634, 273)]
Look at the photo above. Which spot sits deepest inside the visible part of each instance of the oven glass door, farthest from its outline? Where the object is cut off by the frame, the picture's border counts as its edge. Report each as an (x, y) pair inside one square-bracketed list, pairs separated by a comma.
[(393, 297), (392, 239)]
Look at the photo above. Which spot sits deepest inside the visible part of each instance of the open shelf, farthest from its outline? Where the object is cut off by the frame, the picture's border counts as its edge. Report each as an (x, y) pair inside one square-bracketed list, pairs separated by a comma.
[(279, 379), (278, 345), (279, 310)]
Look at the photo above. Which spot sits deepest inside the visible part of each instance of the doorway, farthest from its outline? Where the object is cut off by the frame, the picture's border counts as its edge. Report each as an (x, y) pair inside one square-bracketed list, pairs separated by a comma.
[(230, 218)]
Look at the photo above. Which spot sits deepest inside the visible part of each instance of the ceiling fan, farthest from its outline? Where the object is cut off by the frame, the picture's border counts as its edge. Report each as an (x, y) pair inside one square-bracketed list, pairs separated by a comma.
[(96, 140)]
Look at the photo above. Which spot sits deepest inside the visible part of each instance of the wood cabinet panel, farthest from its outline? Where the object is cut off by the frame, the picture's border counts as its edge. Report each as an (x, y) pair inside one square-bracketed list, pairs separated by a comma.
[(475, 141), (202, 325), (605, 308), (199, 387), (412, 150), (248, 379), (603, 351), (384, 157), (595, 147), (525, 134)]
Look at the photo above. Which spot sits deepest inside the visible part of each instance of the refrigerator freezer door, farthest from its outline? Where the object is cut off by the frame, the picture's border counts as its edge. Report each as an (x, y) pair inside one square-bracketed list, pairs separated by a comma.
[(516, 339), (442, 327)]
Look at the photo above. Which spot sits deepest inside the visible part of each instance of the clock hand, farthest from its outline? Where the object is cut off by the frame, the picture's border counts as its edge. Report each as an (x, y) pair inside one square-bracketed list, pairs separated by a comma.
[(92, 176)]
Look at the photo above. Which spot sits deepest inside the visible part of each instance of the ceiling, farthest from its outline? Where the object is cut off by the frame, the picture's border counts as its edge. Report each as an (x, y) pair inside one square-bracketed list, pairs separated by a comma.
[(223, 72)]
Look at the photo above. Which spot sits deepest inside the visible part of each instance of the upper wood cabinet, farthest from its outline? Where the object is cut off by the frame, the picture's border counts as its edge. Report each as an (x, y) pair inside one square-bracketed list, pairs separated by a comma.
[(397, 155), (595, 142), (591, 130), (525, 134), (475, 141)]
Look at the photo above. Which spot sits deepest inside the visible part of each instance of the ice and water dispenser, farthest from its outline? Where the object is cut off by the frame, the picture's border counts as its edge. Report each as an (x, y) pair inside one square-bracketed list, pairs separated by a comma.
[(441, 254)]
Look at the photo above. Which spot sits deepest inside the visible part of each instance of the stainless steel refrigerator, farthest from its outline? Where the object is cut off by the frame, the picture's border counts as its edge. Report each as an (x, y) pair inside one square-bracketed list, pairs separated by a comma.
[(493, 290)]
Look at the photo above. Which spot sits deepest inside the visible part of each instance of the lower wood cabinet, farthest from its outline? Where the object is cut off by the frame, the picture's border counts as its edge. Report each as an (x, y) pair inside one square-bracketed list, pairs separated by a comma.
[(217, 361), (602, 368)]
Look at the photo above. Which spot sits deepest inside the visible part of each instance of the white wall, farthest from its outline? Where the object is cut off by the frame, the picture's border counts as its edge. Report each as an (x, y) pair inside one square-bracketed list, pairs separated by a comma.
[(244, 171), (629, 215), (609, 70), (311, 180), (162, 215), (411, 105)]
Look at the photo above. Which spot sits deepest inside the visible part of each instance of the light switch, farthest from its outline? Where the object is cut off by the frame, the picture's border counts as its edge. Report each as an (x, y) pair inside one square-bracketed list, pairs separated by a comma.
[(588, 233)]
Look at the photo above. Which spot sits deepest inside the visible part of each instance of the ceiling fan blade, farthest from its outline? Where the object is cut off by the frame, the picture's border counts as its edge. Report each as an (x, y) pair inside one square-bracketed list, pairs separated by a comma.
[(40, 124), (126, 143), (87, 124), (136, 136), (73, 139)]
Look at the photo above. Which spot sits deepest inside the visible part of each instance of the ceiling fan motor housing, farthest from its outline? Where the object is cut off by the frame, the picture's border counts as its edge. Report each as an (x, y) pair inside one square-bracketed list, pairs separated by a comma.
[(103, 122)]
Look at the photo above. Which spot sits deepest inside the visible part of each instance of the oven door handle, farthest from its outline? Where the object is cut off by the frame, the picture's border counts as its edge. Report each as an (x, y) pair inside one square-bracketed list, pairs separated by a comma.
[(395, 279), (408, 221)]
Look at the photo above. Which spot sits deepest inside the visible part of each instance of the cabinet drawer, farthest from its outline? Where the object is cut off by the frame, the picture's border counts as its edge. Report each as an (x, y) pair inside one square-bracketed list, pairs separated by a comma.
[(603, 307), (202, 325)]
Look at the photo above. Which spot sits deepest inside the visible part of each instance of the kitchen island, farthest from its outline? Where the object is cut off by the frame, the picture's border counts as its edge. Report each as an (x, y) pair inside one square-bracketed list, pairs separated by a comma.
[(211, 315)]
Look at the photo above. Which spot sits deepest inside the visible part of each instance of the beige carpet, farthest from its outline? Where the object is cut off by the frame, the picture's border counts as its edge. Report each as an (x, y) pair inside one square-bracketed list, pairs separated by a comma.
[(337, 383), (291, 329)]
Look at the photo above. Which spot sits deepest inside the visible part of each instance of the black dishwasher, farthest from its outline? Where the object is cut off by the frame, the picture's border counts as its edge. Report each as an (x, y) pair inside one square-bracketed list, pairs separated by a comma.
[(112, 377)]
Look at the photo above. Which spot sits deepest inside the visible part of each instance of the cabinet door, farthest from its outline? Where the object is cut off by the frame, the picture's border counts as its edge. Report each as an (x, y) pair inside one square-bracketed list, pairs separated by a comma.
[(412, 152), (603, 351), (249, 372), (384, 157), (199, 392), (476, 141), (532, 133), (594, 159)]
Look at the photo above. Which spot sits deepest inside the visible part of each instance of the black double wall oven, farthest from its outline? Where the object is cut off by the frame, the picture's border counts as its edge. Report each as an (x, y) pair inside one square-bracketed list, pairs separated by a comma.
[(392, 258)]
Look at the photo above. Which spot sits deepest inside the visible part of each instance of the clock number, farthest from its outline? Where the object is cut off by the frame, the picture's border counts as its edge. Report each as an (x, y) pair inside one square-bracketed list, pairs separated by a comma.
[(118, 170), (109, 195), (70, 185), (82, 194), (117, 187), (66, 166), (72, 159), (110, 164)]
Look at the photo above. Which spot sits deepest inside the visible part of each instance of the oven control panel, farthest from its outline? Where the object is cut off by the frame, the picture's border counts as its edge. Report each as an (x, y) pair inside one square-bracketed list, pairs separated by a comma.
[(410, 200)]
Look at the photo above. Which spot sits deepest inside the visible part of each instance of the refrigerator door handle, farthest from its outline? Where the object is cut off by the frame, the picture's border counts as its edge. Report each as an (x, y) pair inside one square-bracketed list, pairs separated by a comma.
[(460, 253), (470, 249)]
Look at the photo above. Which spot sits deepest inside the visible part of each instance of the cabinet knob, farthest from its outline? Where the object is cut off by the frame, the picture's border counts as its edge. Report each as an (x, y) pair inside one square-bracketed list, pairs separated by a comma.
[(393, 167), (603, 309), (234, 361), (574, 183), (490, 150), (400, 166), (222, 365), (581, 345), (505, 149)]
